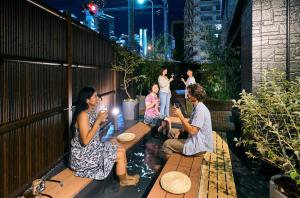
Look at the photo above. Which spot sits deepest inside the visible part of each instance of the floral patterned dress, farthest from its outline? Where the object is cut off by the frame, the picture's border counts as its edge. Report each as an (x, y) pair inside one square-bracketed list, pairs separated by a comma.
[(94, 160)]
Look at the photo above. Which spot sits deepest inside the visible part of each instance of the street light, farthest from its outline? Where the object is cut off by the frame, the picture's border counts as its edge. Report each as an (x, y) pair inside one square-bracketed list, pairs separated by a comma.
[(142, 2)]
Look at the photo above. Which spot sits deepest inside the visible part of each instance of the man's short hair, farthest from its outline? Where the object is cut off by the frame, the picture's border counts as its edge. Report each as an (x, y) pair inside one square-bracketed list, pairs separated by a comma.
[(197, 91)]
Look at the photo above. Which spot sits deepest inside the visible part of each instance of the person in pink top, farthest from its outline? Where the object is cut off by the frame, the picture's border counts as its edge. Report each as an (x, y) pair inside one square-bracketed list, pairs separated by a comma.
[(152, 115)]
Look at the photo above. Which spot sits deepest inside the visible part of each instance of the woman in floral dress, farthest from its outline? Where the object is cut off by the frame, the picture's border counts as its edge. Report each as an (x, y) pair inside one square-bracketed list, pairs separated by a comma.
[(90, 157)]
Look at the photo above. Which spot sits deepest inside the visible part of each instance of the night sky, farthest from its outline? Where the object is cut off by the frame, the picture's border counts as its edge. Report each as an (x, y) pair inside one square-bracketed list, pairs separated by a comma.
[(142, 17)]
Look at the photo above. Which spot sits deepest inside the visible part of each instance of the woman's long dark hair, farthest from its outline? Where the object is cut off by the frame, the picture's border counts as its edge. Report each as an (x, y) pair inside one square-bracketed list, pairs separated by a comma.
[(162, 69), (81, 105)]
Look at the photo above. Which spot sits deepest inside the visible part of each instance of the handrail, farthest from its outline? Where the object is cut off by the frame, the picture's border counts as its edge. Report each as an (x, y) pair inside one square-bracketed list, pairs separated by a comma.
[(40, 61)]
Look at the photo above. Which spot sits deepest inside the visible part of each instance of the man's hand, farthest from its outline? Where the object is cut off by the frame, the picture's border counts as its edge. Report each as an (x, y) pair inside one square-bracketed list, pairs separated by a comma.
[(177, 112)]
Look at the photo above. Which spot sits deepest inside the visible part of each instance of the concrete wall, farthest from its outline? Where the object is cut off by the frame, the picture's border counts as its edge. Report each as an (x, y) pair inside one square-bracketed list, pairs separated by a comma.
[(269, 37)]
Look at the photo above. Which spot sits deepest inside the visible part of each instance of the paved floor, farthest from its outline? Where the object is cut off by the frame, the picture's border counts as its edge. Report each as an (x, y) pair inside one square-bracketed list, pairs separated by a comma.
[(248, 181)]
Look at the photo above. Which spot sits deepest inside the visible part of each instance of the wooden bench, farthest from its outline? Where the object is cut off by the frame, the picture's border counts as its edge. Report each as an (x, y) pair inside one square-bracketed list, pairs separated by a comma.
[(72, 185), (211, 174), (190, 166), (217, 177)]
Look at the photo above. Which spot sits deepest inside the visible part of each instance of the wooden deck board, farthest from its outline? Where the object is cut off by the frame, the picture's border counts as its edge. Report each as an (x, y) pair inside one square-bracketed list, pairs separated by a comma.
[(72, 185), (195, 176), (222, 185), (228, 169), (217, 178), (213, 171), (203, 190)]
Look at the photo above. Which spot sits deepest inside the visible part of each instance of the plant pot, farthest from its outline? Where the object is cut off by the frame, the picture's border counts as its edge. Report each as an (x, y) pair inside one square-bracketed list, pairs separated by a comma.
[(141, 100), (274, 193), (130, 109)]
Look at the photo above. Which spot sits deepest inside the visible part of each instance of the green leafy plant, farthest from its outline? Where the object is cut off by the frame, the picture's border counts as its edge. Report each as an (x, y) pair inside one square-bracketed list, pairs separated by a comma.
[(158, 52), (271, 122), (127, 62), (220, 68), (151, 70)]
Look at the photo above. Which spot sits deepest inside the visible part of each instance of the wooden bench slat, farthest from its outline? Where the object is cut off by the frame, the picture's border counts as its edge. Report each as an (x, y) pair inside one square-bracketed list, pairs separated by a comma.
[(63, 175), (212, 191), (222, 184), (231, 189), (70, 187), (174, 159), (156, 190), (203, 190), (184, 166), (190, 166), (186, 162), (195, 176)]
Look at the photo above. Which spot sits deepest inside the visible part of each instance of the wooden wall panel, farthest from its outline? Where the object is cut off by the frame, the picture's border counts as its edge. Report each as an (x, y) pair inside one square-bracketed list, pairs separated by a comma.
[(33, 87)]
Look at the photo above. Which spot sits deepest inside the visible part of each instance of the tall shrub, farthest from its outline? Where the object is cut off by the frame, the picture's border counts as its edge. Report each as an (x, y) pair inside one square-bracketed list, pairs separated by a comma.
[(271, 122)]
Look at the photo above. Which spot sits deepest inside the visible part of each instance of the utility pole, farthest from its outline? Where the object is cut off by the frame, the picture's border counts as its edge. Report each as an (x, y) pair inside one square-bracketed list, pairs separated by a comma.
[(131, 24), (152, 24), (165, 27)]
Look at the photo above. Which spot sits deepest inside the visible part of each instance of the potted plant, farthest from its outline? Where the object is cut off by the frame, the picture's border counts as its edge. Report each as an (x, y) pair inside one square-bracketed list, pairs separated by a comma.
[(127, 63), (271, 129)]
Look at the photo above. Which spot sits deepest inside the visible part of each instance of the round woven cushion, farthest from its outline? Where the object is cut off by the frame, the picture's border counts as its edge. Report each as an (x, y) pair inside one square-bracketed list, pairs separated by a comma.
[(126, 137), (175, 182)]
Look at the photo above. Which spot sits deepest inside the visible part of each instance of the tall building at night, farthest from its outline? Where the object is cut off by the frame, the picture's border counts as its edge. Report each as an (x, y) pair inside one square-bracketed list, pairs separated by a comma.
[(100, 22), (106, 25), (200, 16)]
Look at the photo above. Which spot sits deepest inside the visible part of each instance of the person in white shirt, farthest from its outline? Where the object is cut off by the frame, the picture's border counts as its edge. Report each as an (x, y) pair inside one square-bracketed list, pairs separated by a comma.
[(191, 80), (164, 92), (199, 129)]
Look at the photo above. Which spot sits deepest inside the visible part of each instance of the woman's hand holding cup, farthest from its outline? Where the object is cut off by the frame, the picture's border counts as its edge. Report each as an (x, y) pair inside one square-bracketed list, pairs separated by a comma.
[(102, 116)]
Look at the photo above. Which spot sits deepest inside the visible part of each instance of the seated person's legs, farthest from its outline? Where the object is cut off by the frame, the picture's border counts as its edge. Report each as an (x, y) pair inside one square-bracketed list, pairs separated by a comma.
[(165, 126), (171, 146), (121, 171)]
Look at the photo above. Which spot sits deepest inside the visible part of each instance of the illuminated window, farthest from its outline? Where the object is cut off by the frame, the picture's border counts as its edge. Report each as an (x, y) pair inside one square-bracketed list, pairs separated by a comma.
[(206, 8), (218, 26), (206, 18)]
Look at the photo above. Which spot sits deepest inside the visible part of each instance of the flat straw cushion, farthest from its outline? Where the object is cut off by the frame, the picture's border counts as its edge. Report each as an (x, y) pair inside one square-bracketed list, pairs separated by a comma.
[(175, 182), (126, 137)]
